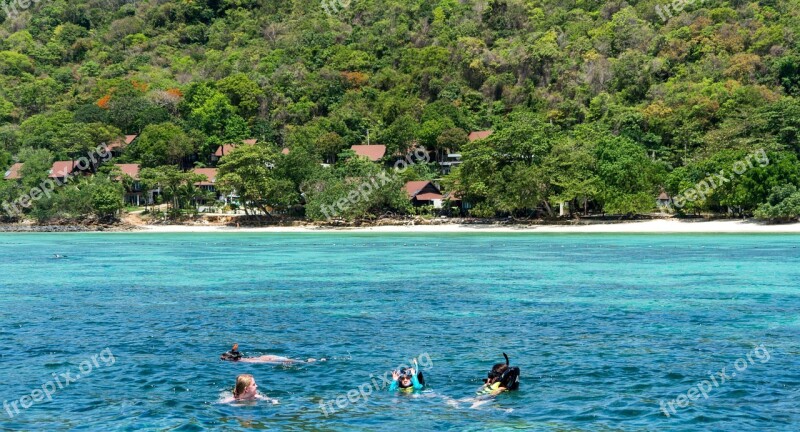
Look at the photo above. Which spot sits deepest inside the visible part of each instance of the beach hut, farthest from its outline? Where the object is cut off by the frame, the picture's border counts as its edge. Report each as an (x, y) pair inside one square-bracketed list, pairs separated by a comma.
[(424, 193)]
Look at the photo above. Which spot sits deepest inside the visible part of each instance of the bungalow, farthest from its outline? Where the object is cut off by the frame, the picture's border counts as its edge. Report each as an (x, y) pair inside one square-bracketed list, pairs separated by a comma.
[(373, 152), (61, 171), (133, 192), (663, 201), (227, 148), (116, 147), (424, 193), (211, 178), (15, 172), (479, 135)]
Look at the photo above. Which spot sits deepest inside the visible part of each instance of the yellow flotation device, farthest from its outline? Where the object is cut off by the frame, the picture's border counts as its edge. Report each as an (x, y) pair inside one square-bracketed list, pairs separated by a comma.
[(485, 390)]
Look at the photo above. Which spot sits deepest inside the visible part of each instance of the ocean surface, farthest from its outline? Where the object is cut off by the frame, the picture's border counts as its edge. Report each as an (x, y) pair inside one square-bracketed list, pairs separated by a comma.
[(608, 330)]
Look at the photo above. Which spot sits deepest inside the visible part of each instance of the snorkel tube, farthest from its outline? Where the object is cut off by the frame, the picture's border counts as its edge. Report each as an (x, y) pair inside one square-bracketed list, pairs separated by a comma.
[(505, 376), (420, 378)]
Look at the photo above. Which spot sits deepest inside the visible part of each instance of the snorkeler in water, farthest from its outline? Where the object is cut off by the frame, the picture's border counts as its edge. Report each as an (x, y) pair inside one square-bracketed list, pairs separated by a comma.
[(246, 389), (235, 356), (407, 380), (502, 377)]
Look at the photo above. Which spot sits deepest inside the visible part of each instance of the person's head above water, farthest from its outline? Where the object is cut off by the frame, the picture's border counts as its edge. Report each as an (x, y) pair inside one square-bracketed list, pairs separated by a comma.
[(503, 375), (404, 380), (246, 387), (496, 372), (232, 355)]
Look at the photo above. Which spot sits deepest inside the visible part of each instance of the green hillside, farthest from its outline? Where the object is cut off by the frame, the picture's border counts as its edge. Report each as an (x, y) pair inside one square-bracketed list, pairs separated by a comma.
[(599, 105)]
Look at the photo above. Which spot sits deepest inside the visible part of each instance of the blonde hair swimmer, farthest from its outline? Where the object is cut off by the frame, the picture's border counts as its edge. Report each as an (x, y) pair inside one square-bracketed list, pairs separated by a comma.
[(235, 356), (246, 389)]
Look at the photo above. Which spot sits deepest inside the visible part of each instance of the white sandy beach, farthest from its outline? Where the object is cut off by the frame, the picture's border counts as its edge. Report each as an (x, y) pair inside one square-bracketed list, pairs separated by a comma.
[(652, 226)]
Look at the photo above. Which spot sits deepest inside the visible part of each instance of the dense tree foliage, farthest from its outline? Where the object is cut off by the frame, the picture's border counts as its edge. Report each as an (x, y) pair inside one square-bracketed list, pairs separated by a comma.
[(599, 105)]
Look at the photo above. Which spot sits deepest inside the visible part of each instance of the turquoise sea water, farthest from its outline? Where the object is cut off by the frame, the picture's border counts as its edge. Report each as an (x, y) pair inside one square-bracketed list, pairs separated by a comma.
[(604, 327)]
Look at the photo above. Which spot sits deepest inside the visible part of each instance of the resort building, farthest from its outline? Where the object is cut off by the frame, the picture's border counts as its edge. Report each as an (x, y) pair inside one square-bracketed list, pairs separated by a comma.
[(424, 193), (479, 135), (14, 172), (118, 146), (227, 148), (373, 152), (663, 200), (133, 191), (62, 170), (211, 177), (210, 185), (451, 160)]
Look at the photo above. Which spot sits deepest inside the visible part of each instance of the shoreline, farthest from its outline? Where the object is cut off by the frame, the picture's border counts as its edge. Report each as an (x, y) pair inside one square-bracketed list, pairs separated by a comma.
[(655, 226), (630, 227)]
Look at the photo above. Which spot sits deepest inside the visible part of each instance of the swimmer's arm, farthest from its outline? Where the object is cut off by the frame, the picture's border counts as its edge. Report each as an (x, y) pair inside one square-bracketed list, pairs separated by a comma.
[(393, 386), (415, 382)]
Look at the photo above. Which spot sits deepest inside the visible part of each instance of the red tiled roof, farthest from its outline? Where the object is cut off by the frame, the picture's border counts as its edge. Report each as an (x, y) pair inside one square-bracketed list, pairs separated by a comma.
[(14, 173), (118, 144), (479, 135), (210, 173), (227, 148), (374, 152), (62, 168), (452, 196), (285, 151), (428, 196), (131, 170), (414, 189)]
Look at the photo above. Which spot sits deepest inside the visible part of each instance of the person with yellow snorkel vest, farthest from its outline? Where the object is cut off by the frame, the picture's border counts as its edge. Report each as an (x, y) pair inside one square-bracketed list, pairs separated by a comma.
[(502, 377)]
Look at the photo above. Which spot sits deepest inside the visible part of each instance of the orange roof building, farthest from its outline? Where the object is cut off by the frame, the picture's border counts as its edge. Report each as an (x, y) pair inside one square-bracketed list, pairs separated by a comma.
[(211, 176), (424, 193), (227, 148), (14, 172), (61, 169), (478, 135), (131, 170), (374, 152), (121, 143)]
